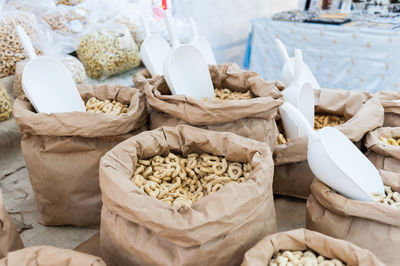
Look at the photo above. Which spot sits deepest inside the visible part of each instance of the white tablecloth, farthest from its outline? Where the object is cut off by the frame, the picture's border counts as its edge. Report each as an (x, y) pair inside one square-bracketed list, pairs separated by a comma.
[(348, 57)]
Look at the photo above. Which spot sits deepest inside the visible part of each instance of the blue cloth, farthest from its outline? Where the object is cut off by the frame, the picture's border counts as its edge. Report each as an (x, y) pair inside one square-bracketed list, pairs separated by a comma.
[(347, 57)]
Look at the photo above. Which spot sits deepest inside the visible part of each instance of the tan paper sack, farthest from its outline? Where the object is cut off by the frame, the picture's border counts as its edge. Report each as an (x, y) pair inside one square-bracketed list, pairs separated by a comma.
[(382, 155), (9, 237), (373, 226), (218, 229), (391, 102), (49, 256), (252, 118), (363, 113), (62, 152), (302, 239)]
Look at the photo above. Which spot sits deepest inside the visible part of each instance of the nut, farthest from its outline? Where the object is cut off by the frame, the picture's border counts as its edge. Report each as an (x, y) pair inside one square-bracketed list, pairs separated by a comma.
[(94, 105), (302, 258), (324, 120)]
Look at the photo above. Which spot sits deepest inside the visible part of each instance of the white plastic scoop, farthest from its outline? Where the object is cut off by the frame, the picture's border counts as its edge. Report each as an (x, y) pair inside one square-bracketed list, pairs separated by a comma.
[(153, 50), (185, 69), (288, 75), (301, 95), (202, 44), (336, 161), (47, 83)]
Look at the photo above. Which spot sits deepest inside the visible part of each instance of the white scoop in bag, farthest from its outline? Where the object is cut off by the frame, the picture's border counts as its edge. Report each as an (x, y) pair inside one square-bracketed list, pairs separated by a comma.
[(288, 74), (301, 95), (47, 82), (185, 70), (336, 161), (153, 50)]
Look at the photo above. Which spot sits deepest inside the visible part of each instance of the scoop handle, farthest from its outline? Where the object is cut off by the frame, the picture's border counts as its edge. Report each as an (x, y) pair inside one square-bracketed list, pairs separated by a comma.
[(171, 29), (26, 42), (300, 120), (298, 64), (145, 25), (194, 29), (282, 50)]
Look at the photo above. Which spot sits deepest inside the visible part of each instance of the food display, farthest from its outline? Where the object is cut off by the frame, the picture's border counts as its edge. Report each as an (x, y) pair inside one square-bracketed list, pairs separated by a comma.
[(181, 181), (5, 104), (325, 120), (227, 94), (66, 19), (390, 141), (302, 258), (94, 105), (390, 198), (109, 51)]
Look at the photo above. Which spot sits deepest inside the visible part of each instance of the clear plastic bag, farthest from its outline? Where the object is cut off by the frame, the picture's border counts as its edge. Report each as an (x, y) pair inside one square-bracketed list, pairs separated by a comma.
[(108, 50), (11, 50), (5, 104)]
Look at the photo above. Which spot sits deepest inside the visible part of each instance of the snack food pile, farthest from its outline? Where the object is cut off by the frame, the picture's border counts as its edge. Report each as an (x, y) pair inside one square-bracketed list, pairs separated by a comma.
[(324, 120), (94, 105), (390, 141), (390, 198), (227, 95), (64, 20), (181, 181), (302, 258)]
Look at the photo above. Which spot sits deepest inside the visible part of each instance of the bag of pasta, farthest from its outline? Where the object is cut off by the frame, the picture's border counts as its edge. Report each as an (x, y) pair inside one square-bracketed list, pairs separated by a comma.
[(46, 255), (304, 247), (107, 51), (204, 195), (11, 49), (391, 102), (354, 113), (9, 237), (5, 104), (244, 104), (371, 225)]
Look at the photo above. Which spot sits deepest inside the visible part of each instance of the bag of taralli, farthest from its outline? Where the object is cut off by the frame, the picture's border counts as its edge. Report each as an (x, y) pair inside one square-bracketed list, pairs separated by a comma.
[(371, 225), (304, 247), (185, 196), (108, 50), (391, 102), (244, 104), (5, 104), (62, 150), (383, 146), (354, 113), (46, 256), (9, 237)]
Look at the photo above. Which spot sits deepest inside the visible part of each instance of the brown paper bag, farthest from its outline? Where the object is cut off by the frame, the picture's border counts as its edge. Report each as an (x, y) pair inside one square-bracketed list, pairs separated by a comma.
[(292, 175), (137, 229), (383, 156), (392, 109), (9, 237), (62, 152), (46, 256), (302, 239), (372, 226), (252, 118)]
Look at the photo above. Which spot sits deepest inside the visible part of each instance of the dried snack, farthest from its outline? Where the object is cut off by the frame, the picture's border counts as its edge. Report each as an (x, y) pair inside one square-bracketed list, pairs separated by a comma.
[(11, 50), (108, 51), (390, 141), (69, 2), (66, 20), (5, 104), (302, 258), (324, 120), (282, 139), (74, 66), (94, 105), (390, 198), (227, 94), (181, 181)]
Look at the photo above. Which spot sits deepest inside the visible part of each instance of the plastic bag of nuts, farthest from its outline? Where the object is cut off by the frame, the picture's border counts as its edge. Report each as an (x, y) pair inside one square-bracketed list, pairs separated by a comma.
[(293, 244), (354, 113), (370, 225), (383, 149), (107, 51), (216, 229), (62, 152), (74, 66), (11, 50)]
